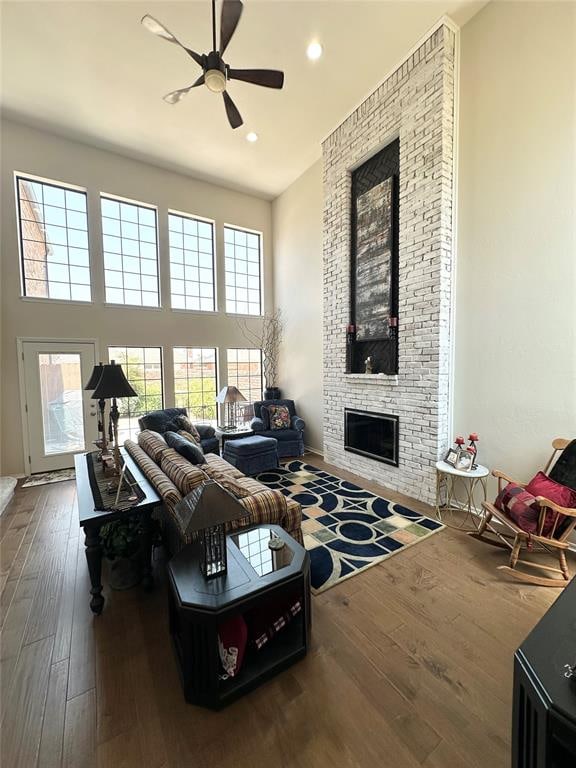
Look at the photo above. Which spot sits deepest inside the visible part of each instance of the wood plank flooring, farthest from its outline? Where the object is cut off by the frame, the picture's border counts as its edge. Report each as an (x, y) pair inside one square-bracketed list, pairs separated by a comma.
[(411, 662)]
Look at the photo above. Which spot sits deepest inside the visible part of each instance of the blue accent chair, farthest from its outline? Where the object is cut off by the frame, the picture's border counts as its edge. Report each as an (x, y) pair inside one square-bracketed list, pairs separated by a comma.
[(290, 440), (161, 421)]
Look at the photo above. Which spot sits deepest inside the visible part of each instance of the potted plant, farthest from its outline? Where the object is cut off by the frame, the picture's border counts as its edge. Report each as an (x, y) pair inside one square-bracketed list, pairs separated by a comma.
[(268, 339), (121, 545)]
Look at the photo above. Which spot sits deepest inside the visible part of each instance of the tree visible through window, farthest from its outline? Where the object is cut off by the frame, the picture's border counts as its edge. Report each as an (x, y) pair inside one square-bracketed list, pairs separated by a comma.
[(195, 382), (245, 372), (143, 369), (53, 227)]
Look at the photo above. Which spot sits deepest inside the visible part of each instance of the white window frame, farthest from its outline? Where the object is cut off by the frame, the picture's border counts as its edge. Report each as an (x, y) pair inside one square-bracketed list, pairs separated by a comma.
[(139, 204), (204, 220), (217, 376), (260, 235), (64, 185)]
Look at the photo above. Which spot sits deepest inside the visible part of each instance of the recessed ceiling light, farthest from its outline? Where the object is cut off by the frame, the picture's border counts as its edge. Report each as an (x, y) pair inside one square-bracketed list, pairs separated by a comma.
[(252, 137), (314, 51)]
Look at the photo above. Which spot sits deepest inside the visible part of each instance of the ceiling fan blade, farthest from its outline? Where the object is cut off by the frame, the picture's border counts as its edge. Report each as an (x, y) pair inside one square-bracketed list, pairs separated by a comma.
[(231, 12), (154, 26), (175, 96), (234, 116), (269, 78)]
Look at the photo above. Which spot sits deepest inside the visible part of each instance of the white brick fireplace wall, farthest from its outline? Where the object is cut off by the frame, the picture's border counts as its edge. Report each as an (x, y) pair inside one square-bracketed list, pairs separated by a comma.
[(416, 104)]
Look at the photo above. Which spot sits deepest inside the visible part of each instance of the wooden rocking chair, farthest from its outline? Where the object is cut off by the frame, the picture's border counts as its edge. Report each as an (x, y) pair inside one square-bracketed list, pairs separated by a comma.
[(555, 542)]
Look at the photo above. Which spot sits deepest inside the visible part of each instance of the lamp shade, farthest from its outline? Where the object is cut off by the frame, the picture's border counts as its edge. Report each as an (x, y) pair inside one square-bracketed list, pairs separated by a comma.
[(230, 395), (95, 376), (113, 383)]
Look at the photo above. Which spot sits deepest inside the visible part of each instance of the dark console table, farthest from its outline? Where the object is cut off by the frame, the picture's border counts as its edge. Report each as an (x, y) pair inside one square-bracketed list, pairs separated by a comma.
[(256, 574), (544, 710), (92, 517)]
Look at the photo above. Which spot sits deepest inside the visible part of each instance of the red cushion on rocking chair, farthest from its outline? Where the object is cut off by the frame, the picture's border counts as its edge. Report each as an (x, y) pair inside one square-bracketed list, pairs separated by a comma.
[(520, 506), (542, 485)]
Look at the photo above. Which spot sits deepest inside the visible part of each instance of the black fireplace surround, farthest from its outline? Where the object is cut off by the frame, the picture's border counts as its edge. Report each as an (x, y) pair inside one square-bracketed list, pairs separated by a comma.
[(370, 434)]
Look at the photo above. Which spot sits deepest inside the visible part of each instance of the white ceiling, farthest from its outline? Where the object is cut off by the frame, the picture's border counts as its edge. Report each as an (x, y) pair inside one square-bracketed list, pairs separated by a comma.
[(90, 71)]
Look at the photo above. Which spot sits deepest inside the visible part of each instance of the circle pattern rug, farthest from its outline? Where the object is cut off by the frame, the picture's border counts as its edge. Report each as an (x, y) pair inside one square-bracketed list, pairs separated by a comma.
[(346, 528)]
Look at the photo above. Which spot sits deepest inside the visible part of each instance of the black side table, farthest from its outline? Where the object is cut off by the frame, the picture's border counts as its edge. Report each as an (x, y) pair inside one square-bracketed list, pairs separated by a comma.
[(256, 574)]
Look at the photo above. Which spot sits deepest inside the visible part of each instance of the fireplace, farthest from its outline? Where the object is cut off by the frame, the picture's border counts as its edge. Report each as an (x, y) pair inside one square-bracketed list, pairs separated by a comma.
[(370, 434)]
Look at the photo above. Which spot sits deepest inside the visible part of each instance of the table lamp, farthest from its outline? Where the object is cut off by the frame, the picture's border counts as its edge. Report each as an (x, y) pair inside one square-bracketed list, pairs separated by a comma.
[(205, 512), (230, 396), (113, 384), (91, 385)]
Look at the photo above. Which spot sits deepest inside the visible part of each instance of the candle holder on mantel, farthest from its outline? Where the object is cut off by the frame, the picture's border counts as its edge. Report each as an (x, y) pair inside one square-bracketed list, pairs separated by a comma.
[(350, 339), (393, 328)]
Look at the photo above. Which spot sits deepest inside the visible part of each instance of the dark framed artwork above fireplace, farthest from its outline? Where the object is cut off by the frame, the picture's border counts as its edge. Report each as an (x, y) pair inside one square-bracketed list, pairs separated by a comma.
[(373, 330)]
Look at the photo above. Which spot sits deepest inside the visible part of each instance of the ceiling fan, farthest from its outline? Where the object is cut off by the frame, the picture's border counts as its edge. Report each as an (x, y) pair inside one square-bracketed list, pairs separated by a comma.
[(216, 73)]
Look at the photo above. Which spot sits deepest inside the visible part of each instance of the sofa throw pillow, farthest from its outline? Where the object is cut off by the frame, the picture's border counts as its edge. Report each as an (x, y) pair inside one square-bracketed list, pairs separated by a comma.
[(153, 443), (541, 485), (520, 506), (184, 423), (185, 448), (279, 416), (265, 416)]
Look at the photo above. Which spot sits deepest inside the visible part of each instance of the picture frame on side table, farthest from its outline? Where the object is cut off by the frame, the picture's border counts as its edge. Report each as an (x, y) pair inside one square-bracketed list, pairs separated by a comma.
[(451, 457), (465, 460)]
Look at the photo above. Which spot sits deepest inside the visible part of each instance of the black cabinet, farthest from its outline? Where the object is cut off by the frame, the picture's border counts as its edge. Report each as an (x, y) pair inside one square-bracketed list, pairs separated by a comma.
[(256, 576), (544, 706)]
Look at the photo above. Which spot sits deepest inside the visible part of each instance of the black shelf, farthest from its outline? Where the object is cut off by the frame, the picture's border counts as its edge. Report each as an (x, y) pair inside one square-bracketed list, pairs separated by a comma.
[(282, 651)]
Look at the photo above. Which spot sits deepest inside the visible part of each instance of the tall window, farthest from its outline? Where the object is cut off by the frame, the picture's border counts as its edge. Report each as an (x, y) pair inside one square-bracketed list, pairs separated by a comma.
[(129, 236), (195, 381), (53, 228), (143, 369), (191, 263), (245, 372), (242, 254)]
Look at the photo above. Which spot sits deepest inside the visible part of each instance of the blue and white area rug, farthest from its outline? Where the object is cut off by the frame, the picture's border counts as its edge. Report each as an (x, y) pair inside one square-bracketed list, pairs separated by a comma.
[(346, 529)]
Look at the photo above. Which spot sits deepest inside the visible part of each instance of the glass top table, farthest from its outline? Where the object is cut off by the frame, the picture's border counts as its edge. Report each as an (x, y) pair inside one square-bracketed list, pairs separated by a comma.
[(254, 546)]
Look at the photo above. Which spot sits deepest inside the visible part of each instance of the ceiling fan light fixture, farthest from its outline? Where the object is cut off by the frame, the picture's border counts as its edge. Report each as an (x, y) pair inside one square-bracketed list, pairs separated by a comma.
[(251, 137), (215, 80)]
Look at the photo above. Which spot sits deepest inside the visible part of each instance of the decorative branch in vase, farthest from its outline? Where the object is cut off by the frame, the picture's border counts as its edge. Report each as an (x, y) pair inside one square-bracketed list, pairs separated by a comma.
[(267, 338)]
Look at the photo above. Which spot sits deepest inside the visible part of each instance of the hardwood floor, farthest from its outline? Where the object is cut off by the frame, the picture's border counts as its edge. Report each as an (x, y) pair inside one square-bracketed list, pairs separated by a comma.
[(411, 662)]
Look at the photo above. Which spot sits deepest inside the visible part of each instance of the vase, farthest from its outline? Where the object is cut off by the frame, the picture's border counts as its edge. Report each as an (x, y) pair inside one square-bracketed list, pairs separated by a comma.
[(272, 393)]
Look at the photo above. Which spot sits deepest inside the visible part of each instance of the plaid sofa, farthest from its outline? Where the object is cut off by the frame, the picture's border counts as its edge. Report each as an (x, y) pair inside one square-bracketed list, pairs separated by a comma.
[(173, 476)]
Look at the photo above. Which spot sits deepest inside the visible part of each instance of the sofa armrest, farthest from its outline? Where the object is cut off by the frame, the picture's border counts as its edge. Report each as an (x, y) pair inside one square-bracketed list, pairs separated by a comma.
[(257, 425), (298, 423), (205, 431)]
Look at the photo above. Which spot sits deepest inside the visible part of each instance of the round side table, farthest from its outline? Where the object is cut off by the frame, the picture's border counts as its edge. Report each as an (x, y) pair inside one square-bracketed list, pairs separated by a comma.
[(456, 492)]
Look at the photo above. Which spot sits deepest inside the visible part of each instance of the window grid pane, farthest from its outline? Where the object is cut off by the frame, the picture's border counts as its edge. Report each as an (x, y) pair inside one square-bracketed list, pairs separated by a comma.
[(191, 263), (53, 229), (195, 382), (242, 259), (143, 369), (245, 373), (129, 239)]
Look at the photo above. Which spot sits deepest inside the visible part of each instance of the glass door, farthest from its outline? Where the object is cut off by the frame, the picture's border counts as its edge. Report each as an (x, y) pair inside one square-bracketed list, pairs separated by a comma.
[(61, 417)]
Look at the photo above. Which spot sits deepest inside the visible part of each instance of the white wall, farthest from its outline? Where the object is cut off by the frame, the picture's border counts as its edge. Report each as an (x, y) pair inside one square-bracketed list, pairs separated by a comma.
[(30, 151), (516, 288), (297, 224)]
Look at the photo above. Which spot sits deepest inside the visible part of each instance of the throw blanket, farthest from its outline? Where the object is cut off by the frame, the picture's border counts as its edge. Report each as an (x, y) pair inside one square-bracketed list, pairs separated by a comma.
[(564, 471)]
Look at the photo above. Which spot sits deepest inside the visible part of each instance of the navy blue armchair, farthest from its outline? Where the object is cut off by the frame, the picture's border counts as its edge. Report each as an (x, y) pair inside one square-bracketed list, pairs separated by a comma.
[(290, 440), (161, 421)]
